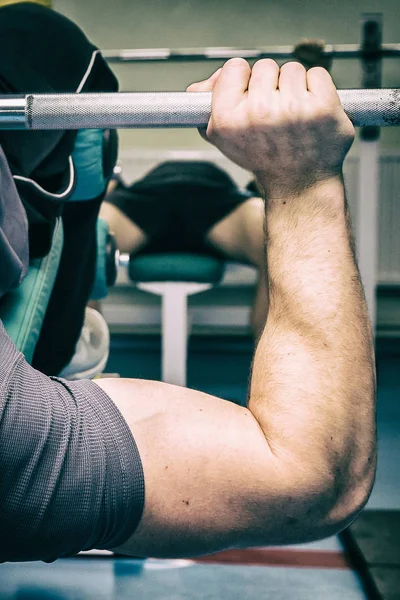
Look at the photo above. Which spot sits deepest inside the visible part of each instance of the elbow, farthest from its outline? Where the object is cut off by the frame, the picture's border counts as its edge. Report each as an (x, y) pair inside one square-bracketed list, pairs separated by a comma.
[(350, 497), (339, 502), (313, 507)]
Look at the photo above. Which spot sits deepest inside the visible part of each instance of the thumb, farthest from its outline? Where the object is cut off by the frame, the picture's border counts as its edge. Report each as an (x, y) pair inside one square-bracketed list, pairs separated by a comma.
[(207, 85)]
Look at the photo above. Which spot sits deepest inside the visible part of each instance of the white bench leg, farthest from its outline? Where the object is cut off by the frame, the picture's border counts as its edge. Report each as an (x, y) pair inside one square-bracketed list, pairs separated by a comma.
[(174, 323), (174, 334)]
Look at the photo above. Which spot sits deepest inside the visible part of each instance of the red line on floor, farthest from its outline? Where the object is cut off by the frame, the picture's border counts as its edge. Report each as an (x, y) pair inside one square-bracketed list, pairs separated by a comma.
[(281, 558)]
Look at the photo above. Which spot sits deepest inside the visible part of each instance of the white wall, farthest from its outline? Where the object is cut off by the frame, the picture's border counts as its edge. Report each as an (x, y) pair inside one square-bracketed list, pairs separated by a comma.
[(193, 23)]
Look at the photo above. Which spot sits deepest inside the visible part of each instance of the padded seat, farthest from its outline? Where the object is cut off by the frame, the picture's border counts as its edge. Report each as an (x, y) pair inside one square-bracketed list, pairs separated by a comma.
[(176, 267), (174, 277)]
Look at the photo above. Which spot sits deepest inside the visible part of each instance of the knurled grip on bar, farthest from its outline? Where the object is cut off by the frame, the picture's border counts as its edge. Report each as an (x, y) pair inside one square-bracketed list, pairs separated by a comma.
[(379, 108)]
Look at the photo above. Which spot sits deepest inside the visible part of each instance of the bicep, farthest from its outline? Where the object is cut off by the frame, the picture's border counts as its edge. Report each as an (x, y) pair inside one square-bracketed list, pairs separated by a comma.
[(211, 480)]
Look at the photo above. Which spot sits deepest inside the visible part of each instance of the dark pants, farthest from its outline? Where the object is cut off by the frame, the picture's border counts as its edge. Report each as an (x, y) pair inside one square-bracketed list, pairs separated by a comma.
[(74, 283)]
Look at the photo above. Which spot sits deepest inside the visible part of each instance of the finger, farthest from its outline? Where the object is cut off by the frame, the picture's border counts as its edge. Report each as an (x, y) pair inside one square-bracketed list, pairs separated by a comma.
[(207, 85), (264, 78), (321, 86), (292, 82), (231, 85)]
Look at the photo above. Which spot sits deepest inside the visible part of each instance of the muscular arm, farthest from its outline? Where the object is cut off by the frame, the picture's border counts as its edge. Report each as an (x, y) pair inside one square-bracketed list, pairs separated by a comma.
[(313, 382), (297, 464)]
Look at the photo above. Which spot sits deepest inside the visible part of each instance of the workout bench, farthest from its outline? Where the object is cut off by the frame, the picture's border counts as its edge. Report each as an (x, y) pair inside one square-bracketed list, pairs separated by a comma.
[(174, 277)]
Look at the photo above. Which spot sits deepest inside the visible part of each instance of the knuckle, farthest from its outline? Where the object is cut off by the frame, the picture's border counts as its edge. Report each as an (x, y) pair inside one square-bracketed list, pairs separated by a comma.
[(325, 109), (292, 107), (259, 107), (292, 66), (237, 63), (319, 71), (266, 63)]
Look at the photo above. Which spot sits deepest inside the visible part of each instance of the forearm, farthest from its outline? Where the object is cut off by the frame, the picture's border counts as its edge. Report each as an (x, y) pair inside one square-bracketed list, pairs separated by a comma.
[(313, 380)]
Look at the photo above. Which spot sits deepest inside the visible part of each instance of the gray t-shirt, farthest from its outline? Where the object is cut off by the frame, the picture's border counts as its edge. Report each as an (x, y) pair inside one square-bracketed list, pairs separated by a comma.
[(14, 249), (71, 476)]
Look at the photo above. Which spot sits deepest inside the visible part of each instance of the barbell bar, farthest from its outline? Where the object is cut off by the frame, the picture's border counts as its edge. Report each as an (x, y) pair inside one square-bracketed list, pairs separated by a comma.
[(379, 107), (351, 51)]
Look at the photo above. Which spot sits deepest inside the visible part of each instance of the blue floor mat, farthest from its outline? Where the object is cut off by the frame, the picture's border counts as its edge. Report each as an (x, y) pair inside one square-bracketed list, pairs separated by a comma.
[(127, 579)]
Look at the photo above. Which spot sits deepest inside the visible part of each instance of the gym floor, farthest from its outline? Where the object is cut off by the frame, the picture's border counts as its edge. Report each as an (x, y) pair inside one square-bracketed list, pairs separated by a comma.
[(323, 570)]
